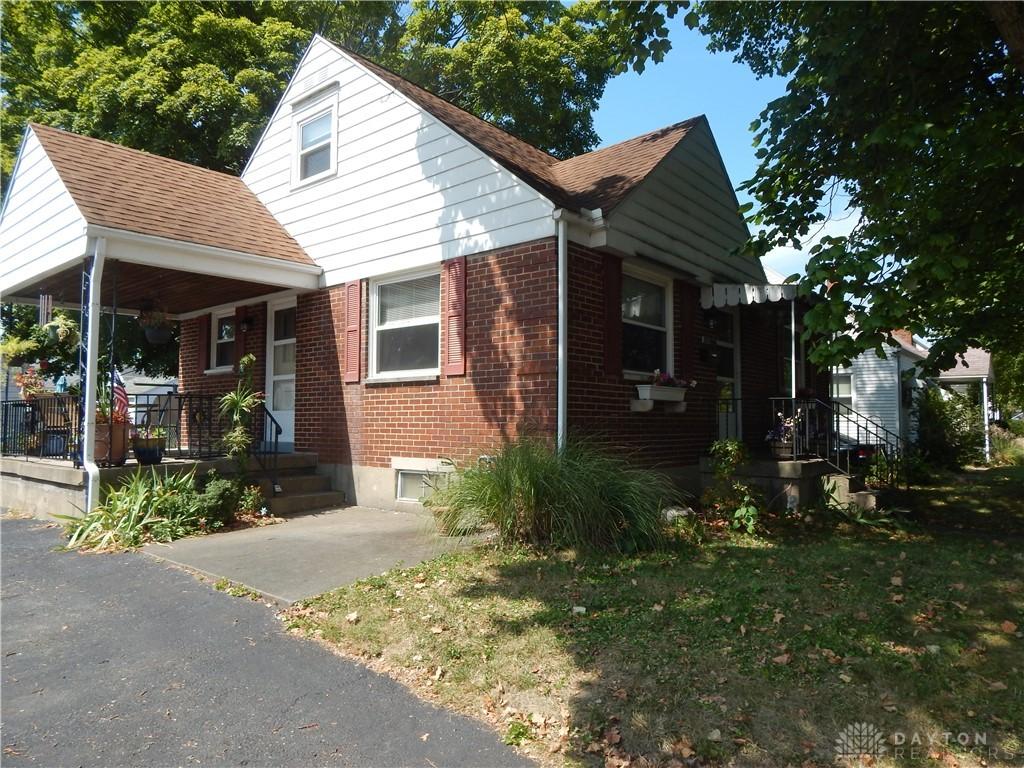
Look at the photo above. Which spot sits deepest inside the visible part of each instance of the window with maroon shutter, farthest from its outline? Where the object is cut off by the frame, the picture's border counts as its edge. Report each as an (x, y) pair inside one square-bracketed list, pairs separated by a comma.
[(613, 315), (353, 292), (455, 317), (405, 326), (203, 342)]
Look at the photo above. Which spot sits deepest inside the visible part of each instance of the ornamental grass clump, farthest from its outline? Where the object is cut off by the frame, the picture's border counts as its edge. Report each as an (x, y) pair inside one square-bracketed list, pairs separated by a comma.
[(579, 497)]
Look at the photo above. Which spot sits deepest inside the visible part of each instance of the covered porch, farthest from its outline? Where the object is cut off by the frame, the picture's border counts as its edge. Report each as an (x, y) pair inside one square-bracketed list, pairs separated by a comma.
[(114, 232)]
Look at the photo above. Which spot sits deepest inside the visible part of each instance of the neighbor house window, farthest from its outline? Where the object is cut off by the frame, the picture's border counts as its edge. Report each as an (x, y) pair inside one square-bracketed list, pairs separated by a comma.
[(405, 314), (842, 388), (316, 140), (223, 342), (646, 319)]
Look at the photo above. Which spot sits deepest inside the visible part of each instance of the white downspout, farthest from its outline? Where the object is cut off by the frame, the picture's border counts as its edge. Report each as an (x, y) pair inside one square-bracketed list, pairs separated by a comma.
[(984, 413), (562, 416), (92, 471), (792, 348)]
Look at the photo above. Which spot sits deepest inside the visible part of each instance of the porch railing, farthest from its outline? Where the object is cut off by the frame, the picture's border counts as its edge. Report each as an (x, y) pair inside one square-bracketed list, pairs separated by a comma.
[(49, 427), (44, 426), (797, 428)]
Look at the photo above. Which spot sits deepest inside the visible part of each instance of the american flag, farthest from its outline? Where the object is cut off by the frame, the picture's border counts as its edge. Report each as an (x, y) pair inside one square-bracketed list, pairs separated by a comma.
[(120, 394)]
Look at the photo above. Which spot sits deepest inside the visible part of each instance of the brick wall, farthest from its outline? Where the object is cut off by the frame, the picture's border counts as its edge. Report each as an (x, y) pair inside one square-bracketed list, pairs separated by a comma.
[(599, 400), (509, 386)]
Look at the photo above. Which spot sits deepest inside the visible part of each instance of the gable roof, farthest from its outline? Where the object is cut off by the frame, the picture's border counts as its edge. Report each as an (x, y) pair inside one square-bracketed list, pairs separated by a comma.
[(127, 189), (974, 365), (598, 179)]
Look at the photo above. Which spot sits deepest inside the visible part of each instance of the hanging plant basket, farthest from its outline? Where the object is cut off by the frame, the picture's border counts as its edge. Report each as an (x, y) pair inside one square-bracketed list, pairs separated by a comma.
[(158, 334)]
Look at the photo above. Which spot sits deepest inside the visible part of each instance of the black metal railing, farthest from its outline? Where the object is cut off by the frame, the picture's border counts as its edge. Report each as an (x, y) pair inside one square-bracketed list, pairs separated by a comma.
[(190, 423), (266, 434), (44, 426), (797, 428)]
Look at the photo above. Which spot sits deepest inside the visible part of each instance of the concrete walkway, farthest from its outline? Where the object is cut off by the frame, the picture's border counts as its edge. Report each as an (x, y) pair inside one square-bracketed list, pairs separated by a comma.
[(307, 555)]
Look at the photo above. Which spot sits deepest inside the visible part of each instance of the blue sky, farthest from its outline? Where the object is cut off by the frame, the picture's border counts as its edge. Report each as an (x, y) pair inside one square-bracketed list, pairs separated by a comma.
[(693, 81)]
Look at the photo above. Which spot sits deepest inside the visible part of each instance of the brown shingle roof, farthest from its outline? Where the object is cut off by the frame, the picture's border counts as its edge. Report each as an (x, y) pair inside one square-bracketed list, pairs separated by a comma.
[(599, 179), (122, 188), (976, 363)]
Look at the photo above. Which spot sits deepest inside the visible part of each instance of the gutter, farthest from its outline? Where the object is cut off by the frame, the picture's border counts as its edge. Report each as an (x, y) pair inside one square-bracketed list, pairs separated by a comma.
[(92, 470)]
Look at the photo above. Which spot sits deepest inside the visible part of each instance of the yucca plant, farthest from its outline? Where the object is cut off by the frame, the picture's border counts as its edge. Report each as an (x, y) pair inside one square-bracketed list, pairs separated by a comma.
[(145, 507), (578, 497)]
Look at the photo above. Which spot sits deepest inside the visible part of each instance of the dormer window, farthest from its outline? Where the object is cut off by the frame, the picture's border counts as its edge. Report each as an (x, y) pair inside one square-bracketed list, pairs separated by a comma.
[(315, 147)]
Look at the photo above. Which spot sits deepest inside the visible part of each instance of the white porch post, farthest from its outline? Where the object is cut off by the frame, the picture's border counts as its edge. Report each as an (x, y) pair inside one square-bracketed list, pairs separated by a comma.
[(792, 347), (984, 415), (91, 374)]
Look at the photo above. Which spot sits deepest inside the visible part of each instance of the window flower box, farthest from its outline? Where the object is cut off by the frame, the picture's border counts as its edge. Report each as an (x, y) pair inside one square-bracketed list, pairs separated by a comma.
[(655, 392)]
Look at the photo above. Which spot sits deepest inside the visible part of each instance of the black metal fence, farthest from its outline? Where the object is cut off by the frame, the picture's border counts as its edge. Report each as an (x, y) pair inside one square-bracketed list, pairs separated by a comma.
[(44, 426)]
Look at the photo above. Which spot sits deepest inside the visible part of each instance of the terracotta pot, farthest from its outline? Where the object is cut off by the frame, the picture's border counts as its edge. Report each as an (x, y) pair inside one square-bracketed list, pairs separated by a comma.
[(111, 445)]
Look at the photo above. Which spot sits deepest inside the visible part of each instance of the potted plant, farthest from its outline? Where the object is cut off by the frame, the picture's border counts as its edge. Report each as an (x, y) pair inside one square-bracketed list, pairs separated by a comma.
[(62, 329), (148, 444), (30, 382), (664, 387), (156, 325), (111, 444), (781, 437)]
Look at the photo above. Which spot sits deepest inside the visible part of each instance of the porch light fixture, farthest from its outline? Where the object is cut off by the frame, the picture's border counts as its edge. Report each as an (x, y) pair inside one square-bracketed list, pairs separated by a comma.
[(712, 319), (245, 324)]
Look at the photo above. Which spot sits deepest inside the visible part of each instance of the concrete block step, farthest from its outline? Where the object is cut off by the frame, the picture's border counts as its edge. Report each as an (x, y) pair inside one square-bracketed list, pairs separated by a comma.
[(295, 503), (295, 483)]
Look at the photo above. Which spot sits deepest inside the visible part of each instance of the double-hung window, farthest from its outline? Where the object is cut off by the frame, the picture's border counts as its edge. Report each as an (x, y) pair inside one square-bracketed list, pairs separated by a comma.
[(316, 146), (223, 342), (842, 388), (405, 334), (646, 323)]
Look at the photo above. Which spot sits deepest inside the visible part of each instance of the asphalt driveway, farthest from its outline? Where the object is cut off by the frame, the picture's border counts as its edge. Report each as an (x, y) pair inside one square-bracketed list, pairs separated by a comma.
[(116, 660)]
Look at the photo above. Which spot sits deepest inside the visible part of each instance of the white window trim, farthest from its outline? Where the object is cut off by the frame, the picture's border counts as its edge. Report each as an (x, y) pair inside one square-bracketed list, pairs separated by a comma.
[(272, 307), (853, 388), (299, 119), (398, 483), (666, 281), (373, 327), (215, 319)]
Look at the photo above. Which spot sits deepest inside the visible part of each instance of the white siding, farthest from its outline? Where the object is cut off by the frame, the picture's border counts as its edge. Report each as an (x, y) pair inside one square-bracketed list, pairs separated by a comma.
[(42, 229), (408, 190), (876, 388), (685, 212)]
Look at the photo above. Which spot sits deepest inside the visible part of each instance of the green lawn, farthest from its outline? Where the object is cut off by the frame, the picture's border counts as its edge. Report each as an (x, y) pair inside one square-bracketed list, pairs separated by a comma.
[(754, 652)]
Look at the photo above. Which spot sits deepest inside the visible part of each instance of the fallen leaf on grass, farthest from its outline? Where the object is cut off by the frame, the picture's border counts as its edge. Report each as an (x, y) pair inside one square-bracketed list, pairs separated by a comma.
[(845, 678), (715, 735), (657, 607), (424, 737), (352, 618), (896, 581), (998, 685), (1008, 627), (783, 659), (613, 735), (436, 630), (778, 617)]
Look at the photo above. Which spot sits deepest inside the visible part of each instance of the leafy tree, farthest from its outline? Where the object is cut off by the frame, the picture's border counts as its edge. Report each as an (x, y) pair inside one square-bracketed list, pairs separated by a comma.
[(197, 81), (915, 113)]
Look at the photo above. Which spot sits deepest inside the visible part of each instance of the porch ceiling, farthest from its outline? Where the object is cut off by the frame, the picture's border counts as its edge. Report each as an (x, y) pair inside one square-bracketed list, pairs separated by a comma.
[(140, 285)]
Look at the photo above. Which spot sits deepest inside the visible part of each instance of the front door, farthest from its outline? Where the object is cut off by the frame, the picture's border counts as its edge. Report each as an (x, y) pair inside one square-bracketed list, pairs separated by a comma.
[(730, 421), (281, 369)]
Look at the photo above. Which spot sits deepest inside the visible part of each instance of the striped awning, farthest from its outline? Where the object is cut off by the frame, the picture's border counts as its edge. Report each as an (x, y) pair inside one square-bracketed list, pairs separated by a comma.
[(733, 294)]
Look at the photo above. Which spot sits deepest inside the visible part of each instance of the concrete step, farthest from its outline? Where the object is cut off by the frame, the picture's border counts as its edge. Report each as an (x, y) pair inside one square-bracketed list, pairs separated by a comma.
[(294, 483), (295, 503)]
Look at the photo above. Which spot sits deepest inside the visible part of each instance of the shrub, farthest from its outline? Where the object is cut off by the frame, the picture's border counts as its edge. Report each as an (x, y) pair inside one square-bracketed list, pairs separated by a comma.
[(736, 502), (1006, 448), (145, 507), (577, 497), (949, 428), (219, 499)]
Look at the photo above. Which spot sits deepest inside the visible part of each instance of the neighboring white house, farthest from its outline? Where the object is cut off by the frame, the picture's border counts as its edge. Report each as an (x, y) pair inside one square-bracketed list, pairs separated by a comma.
[(880, 388)]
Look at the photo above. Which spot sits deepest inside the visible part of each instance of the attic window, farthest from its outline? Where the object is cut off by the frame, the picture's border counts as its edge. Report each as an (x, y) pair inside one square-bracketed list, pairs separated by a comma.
[(316, 150)]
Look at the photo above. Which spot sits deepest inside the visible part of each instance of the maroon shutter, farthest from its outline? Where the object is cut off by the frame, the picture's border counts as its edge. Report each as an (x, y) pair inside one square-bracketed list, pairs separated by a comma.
[(239, 336), (353, 292), (612, 315), (203, 346), (455, 317)]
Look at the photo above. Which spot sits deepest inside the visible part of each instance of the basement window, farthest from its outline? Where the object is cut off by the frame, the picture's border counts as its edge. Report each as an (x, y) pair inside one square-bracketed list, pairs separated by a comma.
[(412, 485)]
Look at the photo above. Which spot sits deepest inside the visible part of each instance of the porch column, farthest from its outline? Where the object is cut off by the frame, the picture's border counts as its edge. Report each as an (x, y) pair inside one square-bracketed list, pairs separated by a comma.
[(984, 416), (792, 348), (90, 373)]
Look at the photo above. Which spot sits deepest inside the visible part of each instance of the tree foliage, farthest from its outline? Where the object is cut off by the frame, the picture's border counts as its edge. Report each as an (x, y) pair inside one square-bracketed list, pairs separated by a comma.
[(197, 81), (914, 113)]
